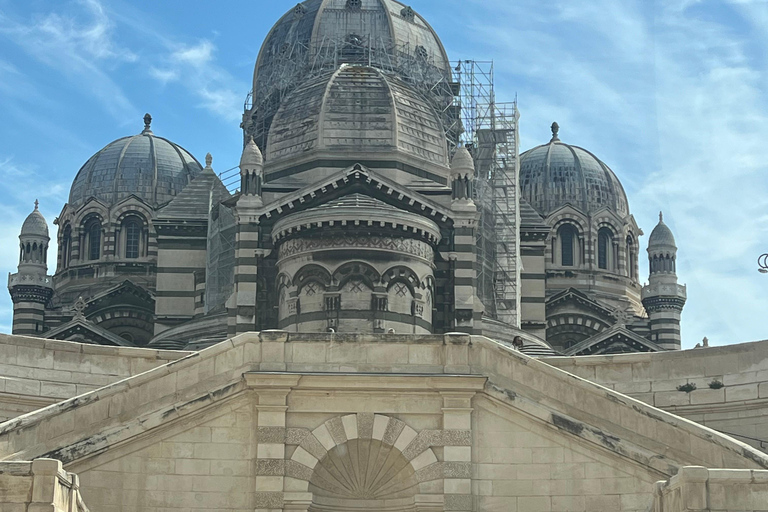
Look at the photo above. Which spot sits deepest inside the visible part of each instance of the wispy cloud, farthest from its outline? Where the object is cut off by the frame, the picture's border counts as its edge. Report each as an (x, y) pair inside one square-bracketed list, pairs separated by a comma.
[(82, 51), (674, 99), (193, 66)]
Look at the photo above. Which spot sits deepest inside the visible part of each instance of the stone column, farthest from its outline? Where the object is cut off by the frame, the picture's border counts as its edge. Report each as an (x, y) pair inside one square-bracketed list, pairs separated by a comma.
[(467, 306), (272, 406), (242, 314), (457, 438)]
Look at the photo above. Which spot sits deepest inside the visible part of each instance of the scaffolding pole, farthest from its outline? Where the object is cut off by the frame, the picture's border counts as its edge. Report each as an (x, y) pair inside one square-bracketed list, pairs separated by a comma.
[(491, 134)]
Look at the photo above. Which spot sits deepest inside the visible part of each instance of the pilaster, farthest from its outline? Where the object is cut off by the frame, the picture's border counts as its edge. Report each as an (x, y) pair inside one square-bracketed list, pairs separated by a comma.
[(271, 408), (457, 423)]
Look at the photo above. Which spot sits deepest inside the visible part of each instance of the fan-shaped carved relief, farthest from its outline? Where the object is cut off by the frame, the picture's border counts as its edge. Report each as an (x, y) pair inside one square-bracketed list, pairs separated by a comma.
[(364, 462), (364, 469)]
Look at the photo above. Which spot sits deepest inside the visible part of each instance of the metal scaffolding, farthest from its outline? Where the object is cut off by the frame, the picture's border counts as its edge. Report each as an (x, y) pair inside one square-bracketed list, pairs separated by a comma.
[(465, 98), (491, 135), (297, 61)]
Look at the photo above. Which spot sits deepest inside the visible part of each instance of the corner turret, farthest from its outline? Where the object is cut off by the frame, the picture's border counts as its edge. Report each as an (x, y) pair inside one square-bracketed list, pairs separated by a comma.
[(663, 298), (31, 287)]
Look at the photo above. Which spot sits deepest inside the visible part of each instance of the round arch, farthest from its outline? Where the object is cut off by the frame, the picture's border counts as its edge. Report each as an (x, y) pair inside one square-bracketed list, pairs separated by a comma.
[(400, 461)]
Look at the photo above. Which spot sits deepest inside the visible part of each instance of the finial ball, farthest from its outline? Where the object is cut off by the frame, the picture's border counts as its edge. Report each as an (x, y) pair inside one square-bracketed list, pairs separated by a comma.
[(555, 131)]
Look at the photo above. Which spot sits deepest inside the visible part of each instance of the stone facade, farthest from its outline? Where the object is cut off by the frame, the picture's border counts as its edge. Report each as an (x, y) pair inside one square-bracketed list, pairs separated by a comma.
[(283, 421), (39, 486)]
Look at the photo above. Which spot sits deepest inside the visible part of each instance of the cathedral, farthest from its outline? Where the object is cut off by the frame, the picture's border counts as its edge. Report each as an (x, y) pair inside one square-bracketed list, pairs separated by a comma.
[(363, 207), (388, 312)]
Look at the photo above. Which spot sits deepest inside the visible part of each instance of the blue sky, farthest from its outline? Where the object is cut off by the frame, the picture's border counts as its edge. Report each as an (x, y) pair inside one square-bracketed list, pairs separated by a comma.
[(672, 95)]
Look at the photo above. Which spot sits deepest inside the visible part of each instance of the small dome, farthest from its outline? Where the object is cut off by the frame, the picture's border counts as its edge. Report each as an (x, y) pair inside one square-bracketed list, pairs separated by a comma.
[(462, 161), (661, 236), (150, 167), (252, 156), (557, 174), (35, 224), (358, 110)]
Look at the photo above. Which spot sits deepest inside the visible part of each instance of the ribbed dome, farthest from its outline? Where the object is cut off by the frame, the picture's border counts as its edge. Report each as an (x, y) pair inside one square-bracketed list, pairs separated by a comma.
[(35, 225), (661, 236), (316, 27), (358, 110), (557, 174), (152, 168), (320, 35)]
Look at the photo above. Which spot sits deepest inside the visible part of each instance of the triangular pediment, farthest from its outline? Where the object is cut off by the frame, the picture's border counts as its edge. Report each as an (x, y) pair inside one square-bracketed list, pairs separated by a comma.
[(125, 293), (84, 331), (616, 340), (362, 181), (580, 300)]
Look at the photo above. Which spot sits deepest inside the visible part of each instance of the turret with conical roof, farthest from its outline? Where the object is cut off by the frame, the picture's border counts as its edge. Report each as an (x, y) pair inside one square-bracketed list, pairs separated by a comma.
[(31, 288), (462, 173), (663, 297), (251, 169)]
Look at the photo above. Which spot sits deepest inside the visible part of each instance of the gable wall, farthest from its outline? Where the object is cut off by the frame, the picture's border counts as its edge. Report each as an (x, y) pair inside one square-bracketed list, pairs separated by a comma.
[(36, 372), (474, 419), (739, 408)]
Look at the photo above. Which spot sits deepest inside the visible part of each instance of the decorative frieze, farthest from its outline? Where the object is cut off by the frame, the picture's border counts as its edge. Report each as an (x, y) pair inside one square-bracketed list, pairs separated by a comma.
[(402, 245)]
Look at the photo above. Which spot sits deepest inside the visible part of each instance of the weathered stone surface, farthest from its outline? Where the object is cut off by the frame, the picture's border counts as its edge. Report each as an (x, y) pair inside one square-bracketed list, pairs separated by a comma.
[(268, 500), (365, 425), (270, 467), (267, 435), (313, 446)]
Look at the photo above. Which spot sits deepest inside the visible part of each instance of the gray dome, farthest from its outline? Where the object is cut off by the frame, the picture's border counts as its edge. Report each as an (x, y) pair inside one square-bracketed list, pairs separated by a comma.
[(557, 174), (359, 110), (319, 35), (35, 225), (315, 24), (661, 236), (152, 168)]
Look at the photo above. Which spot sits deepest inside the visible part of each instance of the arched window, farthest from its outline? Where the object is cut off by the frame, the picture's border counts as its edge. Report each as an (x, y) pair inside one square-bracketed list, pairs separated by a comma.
[(604, 249), (132, 238), (568, 239), (630, 258), (93, 239), (66, 246)]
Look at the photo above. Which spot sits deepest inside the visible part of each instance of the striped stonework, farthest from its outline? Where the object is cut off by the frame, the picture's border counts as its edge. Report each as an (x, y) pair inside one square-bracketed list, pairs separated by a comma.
[(29, 303), (242, 314), (467, 309), (181, 260)]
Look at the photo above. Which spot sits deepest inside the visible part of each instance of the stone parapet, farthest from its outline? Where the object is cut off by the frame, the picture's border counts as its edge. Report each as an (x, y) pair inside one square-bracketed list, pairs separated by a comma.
[(698, 489), (41, 485), (725, 388)]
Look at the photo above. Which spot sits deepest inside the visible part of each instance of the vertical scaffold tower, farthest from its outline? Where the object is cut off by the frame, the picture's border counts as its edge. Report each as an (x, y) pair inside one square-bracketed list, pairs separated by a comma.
[(491, 134)]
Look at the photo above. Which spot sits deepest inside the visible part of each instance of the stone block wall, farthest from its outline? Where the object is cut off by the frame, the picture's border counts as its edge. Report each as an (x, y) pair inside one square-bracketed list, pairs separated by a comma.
[(266, 421), (39, 486), (697, 489), (35, 372), (731, 384)]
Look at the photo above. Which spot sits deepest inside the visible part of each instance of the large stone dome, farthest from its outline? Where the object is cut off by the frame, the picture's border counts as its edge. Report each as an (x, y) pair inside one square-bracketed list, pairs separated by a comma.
[(556, 174), (320, 35), (315, 25), (360, 111), (150, 167)]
